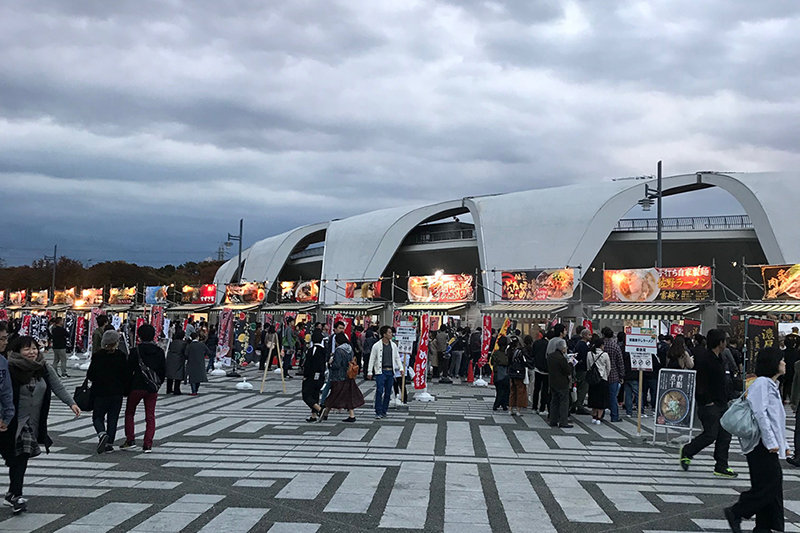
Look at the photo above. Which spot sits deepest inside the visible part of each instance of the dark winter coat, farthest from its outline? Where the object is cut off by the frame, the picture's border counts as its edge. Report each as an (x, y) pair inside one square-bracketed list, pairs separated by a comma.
[(176, 360), (153, 357), (196, 353), (109, 374)]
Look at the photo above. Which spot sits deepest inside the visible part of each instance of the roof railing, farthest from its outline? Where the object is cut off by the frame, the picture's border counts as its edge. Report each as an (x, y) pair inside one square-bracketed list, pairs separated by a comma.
[(712, 223)]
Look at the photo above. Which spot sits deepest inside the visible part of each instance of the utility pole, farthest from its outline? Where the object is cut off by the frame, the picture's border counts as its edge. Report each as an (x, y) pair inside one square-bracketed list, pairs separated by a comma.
[(54, 259)]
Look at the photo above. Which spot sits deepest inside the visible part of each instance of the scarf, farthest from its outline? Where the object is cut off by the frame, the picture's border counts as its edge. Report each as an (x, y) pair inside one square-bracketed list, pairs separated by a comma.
[(23, 370)]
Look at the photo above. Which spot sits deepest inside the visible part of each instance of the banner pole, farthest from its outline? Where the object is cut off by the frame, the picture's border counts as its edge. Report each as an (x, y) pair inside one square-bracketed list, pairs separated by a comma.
[(639, 422), (280, 364)]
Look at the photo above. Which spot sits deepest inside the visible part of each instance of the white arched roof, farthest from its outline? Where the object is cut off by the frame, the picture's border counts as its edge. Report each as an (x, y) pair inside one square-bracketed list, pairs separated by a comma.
[(225, 273), (267, 257)]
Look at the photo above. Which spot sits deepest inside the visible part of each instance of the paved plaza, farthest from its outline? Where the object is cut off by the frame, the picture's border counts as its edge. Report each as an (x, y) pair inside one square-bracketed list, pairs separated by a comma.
[(234, 461)]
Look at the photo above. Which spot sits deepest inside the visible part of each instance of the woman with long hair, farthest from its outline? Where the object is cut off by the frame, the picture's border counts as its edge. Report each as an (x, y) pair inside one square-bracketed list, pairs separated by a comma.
[(33, 380), (678, 356), (502, 383)]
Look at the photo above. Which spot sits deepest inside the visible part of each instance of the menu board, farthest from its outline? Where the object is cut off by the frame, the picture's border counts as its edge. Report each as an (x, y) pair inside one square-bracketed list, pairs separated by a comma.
[(245, 293), (781, 282), (156, 295), (122, 295), (675, 398), (199, 294), (367, 290), (90, 298), (441, 288), (41, 297), (64, 297), (18, 298), (684, 284), (552, 284)]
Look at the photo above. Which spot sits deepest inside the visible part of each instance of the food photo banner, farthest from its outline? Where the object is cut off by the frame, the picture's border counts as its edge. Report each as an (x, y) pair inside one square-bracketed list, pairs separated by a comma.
[(303, 292), (18, 298), (245, 293), (64, 297), (683, 284), (122, 295), (362, 291), (781, 282), (199, 294), (156, 295), (40, 298), (550, 284), (442, 288)]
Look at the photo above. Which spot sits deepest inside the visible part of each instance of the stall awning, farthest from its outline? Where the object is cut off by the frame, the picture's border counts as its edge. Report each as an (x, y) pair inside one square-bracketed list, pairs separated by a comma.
[(293, 307), (527, 310), (60, 307), (117, 308), (28, 308), (772, 308), (361, 308), (417, 309), (14, 307), (636, 311), (190, 308), (235, 307)]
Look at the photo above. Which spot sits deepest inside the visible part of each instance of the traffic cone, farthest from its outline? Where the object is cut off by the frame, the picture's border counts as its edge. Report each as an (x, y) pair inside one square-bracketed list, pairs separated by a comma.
[(470, 374)]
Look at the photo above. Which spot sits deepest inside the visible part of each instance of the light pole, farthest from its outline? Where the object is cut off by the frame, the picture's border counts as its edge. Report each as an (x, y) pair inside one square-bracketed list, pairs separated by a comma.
[(54, 258), (229, 243), (651, 195)]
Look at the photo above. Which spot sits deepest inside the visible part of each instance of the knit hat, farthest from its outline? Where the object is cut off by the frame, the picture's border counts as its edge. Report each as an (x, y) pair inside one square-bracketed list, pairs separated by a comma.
[(110, 337)]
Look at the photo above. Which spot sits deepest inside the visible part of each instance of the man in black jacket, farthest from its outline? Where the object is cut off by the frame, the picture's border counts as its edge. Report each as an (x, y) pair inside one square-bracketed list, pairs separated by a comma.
[(712, 402), (560, 373), (149, 355), (60, 336), (314, 374)]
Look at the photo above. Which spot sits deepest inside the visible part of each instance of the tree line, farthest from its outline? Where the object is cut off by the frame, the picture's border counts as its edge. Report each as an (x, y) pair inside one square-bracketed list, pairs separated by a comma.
[(72, 273)]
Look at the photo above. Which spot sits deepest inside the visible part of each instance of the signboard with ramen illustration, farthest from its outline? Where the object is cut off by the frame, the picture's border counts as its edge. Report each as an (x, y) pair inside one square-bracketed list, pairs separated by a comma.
[(199, 294), (781, 282), (303, 292), (122, 295), (552, 284), (90, 298), (245, 293), (18, 298), (441, 288), (684, 284), (64, 297), (40, 298), (675, 398)]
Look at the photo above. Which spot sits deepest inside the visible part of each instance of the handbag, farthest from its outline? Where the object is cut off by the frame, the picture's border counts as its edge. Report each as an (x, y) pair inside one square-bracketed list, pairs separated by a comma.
[(739, 419), (83, 396), (352, 369)]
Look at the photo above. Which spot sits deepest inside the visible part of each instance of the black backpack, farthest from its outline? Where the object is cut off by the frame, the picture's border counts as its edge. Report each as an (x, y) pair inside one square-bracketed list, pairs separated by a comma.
[(593, 374), (517, 368)]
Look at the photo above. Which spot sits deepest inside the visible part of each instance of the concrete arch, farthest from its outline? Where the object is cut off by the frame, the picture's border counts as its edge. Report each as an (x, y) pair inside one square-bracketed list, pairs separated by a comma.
[(226, 273), (361, 247), (267, 257)]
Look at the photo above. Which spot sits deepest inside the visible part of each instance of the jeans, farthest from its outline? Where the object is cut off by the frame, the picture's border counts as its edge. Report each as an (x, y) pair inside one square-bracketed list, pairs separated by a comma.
[(60, 354), (541, 391), (631, 397), (195, 387), (613, 403), (559, 407), (16, 473), (326, 389), (105, 415), (710, 416), (650, 385), (287, 361), (765, 497), (383, 391), (210, 365), (455, 363), (134, 398)]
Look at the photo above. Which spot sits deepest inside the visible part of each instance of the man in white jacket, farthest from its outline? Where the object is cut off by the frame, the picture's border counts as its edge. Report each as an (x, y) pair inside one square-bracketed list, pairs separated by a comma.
[(384, 360)]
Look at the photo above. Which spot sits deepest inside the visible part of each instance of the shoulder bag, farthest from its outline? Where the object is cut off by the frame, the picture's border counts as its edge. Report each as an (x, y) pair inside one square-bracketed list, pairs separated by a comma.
[(83, 396), (152, 381), (352, 369), (739, 419)]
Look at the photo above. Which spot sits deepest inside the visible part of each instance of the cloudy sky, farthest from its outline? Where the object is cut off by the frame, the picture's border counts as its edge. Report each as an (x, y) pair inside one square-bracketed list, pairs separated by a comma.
[(144, 130)]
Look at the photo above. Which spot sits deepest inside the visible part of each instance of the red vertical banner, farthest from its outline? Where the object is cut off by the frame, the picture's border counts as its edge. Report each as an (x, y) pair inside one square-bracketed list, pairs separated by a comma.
[(157, 320), (3, 315), (224, 333), (396, 320), (80, 330), (486, 339), (348, 327), (139, 323), (588, 325), (675, 330), (421, 363), (25, 328)]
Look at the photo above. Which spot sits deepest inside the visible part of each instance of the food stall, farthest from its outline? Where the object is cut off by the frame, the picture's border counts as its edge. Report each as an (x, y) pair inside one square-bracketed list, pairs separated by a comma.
[(16, 301), (195, 303), (361, 301), (295, 300), (119, 303), (532, 299), (663, 299), (447, 298)]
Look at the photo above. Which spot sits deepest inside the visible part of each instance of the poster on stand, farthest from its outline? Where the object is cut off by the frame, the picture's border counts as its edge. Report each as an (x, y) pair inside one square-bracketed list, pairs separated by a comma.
[(242, 327), (684, 284), (675, 398), (224, 333), (550, 284), (421, 363), (642, 345), (156, 295), (443, 288)]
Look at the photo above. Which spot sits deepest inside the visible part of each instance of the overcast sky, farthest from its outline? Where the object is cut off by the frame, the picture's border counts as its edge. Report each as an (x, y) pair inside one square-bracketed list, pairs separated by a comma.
[(144, 130)]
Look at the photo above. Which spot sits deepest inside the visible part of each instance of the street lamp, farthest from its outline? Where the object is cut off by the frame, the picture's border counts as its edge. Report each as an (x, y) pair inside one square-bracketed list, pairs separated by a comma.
[(654, 196), (229, 243)]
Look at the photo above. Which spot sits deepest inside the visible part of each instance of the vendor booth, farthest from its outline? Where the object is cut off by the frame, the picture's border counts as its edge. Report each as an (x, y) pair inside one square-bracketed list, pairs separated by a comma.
[(366, 302), (196, 303)]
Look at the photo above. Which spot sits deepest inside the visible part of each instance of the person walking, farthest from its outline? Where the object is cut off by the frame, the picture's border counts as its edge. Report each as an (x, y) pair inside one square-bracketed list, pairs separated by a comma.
[(289, 345), (271, 347), (32, 381), (211, 341), (616, 373), (147, 367), (6, 389), (384, 361), (598, 392), (499, 362), (314, 375), (196, 353), (712, 402), (790, 355), (60, 337), (97, 334), (344, 392), (176, 362), (110, 378), (559, 371), (541, 383), (330, 347), (521, 361), (765, 497)]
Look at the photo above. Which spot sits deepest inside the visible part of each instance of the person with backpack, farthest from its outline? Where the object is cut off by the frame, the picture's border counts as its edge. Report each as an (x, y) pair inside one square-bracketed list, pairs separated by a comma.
[(499, 362), (598, 363), (147, 367), (521, 361)]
